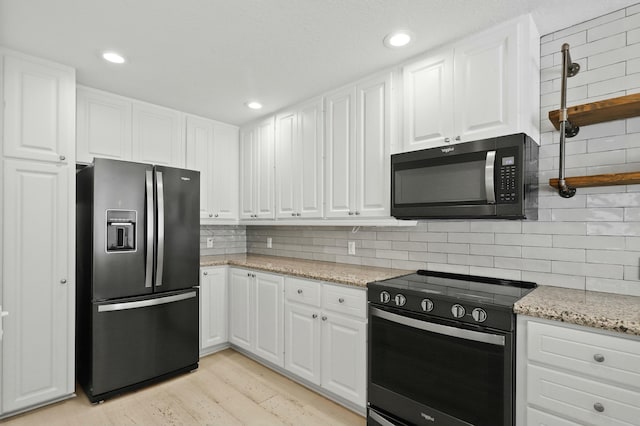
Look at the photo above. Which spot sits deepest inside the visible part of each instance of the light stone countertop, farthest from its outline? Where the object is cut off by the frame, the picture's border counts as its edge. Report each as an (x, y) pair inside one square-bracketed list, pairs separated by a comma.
[(342, 273), (607, 311)]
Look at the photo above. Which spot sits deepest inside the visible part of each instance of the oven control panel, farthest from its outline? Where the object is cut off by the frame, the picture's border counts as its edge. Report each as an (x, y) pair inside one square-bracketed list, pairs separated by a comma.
[(443, 307)]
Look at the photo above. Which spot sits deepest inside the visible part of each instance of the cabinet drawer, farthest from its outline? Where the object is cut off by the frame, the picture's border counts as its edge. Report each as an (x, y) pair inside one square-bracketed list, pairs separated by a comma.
[(302, 291), (539, 418), (587, 401), (598, 355), (350, 301)]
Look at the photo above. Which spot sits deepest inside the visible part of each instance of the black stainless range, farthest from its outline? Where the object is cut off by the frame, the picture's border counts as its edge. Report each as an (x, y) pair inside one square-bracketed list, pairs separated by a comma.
[(441, 349)]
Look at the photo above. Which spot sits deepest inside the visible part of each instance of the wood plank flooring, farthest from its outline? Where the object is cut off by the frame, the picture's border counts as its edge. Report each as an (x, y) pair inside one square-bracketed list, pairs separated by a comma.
[(227, 389)]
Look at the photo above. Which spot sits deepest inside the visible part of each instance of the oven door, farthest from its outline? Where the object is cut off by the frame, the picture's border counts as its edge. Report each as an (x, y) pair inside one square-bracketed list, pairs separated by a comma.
[(439, 373)]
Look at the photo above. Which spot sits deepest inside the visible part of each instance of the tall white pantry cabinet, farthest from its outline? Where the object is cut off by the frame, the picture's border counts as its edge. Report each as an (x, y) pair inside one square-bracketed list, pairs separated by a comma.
[(37, 232)]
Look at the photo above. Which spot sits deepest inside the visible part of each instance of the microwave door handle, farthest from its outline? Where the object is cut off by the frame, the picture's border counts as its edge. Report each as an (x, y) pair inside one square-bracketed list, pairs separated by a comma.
[(488, 177)]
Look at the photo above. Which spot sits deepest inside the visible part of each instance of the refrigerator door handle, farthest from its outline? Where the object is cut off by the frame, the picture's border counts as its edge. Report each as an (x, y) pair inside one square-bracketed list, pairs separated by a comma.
[(148, 275), (145, 303), (160, 249)]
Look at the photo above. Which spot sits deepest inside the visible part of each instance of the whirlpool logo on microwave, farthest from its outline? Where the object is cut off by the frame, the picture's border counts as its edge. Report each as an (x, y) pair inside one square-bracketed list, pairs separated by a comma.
[(447, 149)]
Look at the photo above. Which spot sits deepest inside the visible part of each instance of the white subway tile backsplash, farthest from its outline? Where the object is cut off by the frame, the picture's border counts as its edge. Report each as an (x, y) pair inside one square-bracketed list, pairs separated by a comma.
[(632, 273), (613, 257), (554, 228), (464, 259), (468, 237), (522, 264), (512, 226), (632, 243), (508, 274), (613, 228), (616, 27), (536, 240), (632, 215), (557, 280), (613, 286), (589, 242), (495, 250), (590, 214), (449, 248)]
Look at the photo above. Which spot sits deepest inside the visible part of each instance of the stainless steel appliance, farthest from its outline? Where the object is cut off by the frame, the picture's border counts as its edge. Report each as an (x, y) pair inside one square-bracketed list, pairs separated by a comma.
[(441, 350), (137, 240), (489, 178)]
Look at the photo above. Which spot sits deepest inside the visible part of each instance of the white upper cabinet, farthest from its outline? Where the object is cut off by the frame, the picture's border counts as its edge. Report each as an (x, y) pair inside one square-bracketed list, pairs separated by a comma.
[(299, 146), (213, 150), (257, 171), (112, 126), (157, 135), (358, 140), (39, 112), (482, 87), (104, 126)]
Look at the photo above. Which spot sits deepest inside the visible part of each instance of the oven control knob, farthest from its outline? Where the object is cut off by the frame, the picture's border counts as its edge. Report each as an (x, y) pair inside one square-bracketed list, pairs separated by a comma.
[(400, 300), (479, 315), (385, 297), (427, 305), (458, 311)]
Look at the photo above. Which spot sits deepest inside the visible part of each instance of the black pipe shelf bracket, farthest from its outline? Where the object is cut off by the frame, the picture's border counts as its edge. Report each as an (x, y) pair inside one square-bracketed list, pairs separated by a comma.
[(567, 130)]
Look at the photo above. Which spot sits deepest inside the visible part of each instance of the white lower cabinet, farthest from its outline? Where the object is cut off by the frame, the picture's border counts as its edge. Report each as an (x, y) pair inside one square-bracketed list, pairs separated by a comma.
[(325, 334), (572, 375), (213, 309), (256, 313)]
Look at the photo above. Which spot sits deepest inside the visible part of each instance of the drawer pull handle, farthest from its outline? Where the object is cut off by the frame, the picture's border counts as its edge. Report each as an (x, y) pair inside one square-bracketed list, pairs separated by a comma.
[(314, 316), (299, 291), (341, 300), (598, 407), (599, 357)]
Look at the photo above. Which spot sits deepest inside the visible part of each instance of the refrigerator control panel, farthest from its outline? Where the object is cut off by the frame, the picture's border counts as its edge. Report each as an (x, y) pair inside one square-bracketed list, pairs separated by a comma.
[(121, 230)]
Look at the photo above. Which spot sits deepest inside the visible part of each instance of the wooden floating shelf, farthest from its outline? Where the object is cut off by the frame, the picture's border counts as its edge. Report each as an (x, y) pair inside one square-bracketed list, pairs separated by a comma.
[(600, 180), (598, 112)]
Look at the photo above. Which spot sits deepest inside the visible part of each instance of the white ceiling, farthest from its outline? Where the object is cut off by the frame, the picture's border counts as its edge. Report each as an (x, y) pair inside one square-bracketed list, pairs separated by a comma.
[(208, 57)]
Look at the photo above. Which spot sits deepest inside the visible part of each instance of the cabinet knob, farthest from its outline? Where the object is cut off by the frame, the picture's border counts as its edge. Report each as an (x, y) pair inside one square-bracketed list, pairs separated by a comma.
[(314, 316), (447, 140), (350, 213), (598, 407), (293, 214), (63, 281), (599, 357), (357, 213), (62, 158), (457, 138), (248, 274), (341, 300), (324, 318), (210, 215), (298, 214), (253, 275), (215, 215), (205, 273), (299, 291)]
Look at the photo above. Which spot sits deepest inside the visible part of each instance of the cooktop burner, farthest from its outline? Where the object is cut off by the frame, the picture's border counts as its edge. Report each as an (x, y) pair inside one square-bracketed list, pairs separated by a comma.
[(466, 298)]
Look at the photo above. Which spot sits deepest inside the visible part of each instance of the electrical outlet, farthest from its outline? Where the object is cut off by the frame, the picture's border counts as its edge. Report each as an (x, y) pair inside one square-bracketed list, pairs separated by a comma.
[(209, 242), (269, 242), (352, 247)]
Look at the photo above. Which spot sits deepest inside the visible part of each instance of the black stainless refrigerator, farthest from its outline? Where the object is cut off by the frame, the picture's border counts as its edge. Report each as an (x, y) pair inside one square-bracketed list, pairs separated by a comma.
[(138, 231)]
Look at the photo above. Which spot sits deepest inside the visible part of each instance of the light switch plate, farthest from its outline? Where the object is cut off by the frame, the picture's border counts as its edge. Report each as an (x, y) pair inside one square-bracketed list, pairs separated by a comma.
[(209, 242)]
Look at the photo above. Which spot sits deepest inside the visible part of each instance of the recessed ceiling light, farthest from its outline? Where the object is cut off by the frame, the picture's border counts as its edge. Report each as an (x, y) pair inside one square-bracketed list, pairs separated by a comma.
[(113, 57), (398, 39), (253, 105)]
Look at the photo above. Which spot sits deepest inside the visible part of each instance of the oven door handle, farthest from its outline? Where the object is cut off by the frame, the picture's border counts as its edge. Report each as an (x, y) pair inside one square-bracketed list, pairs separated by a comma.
[(462, 333)]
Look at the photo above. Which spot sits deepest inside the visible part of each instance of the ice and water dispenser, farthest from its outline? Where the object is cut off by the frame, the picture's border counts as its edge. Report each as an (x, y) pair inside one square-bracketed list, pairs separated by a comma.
[(121, 230)]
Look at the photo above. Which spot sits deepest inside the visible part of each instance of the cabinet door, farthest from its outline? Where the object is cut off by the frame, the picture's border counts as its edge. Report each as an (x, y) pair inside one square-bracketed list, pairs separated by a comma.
[(309, 163), (373, 146), (224, 172), (213, 307), (269, 340), (302, 341), (104, 126), (39, 111), (486, 85), (287, 166), (200, 157), (340, 152), (428, 101), (247, 173), (264, 159), (157, 135), (241, 288), (38, 283), (344, 357)]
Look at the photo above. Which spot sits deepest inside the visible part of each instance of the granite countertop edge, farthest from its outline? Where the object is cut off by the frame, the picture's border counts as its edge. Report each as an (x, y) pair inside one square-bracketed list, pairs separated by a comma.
[(606, 311)]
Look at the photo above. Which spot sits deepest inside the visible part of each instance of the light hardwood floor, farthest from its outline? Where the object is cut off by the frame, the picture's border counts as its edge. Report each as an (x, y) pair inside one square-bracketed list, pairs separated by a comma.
[(227, 389)]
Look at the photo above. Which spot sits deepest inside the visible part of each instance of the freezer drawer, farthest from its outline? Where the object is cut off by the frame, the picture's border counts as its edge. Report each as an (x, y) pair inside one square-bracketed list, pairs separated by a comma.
[(140, 339)]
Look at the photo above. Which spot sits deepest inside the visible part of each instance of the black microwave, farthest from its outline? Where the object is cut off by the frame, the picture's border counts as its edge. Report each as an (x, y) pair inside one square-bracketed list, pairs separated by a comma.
[(494, 178)]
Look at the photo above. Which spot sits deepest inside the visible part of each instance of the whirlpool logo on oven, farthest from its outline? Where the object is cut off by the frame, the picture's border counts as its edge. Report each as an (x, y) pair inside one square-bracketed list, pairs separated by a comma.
[(426, 416), (447, 149)]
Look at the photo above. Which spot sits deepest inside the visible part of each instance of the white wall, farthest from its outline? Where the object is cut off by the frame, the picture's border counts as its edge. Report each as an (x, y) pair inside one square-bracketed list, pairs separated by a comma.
[(591, 241)]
